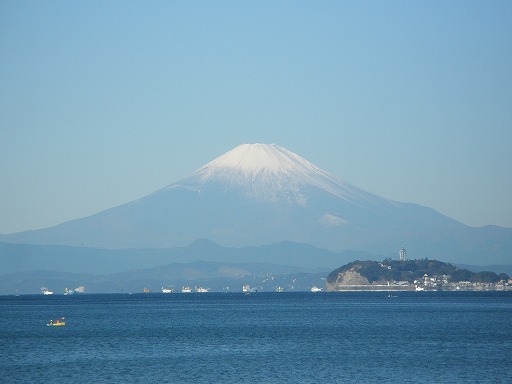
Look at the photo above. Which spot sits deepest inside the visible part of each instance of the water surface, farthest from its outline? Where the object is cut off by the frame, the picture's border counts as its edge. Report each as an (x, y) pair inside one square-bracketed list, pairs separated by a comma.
[(349, 337)]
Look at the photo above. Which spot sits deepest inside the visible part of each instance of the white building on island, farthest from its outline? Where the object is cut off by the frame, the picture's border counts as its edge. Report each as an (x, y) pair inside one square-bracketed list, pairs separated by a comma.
[(403, 254)]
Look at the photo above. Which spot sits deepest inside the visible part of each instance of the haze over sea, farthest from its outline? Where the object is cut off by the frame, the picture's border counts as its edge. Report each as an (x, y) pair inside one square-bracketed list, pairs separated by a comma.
[(358, 337)]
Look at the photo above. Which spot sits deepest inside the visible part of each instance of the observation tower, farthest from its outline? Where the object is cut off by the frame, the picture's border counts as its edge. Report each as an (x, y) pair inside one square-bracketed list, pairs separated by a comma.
[(403, 254)]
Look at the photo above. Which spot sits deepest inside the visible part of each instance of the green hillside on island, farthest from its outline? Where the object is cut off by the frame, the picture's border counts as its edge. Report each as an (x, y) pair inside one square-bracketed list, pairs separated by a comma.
[(412, 273)]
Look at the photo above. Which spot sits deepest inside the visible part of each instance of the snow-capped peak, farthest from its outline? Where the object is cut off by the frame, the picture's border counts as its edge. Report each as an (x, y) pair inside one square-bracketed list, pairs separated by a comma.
[(253, 158), (268, 172)]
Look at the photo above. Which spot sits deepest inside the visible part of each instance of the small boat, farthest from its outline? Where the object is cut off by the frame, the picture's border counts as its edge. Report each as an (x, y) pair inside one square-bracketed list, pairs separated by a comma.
[(247, 289), (314, 288), (147, 290), (57, 323), (46, 291), (202, 290), (80, 289), (186, 290), (167, 290), (279, 289)]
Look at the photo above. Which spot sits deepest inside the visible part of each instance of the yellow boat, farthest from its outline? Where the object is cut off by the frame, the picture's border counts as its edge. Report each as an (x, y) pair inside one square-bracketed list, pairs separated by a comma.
[(61, 324), (57, 323)]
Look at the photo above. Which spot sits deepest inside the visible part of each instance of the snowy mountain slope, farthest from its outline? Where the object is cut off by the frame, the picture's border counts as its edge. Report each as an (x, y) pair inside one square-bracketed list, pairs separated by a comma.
[(261, 194), (271, 173)]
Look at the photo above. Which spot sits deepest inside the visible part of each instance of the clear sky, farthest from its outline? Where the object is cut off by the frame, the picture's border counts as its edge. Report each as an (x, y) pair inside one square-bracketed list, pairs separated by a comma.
[(104, 102)]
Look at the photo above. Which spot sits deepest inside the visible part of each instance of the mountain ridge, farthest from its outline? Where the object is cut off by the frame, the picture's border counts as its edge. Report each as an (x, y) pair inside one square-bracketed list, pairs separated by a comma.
[(16, 258), (262, 194)]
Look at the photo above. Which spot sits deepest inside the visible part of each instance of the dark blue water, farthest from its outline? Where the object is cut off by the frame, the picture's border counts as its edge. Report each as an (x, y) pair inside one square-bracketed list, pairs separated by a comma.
[(259, 338)]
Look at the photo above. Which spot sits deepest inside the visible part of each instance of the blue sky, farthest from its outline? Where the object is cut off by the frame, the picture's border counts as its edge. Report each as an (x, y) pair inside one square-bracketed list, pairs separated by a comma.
[(103, 102)]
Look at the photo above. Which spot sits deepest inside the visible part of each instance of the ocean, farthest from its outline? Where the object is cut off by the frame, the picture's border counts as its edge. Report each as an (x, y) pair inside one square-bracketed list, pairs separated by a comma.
[(299, 337)]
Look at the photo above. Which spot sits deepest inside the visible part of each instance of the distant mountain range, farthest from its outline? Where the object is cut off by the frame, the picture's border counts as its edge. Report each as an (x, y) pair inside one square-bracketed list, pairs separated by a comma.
[(216, 276), (259, 194), (23, 257), (27, 268)]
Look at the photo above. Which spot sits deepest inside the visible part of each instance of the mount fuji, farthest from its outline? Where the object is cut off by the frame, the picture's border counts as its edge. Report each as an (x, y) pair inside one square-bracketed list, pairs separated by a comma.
[(260, 194)]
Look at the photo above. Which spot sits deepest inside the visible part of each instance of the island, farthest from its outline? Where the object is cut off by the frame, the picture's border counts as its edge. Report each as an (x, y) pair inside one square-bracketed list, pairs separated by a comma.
[(413, 275)]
